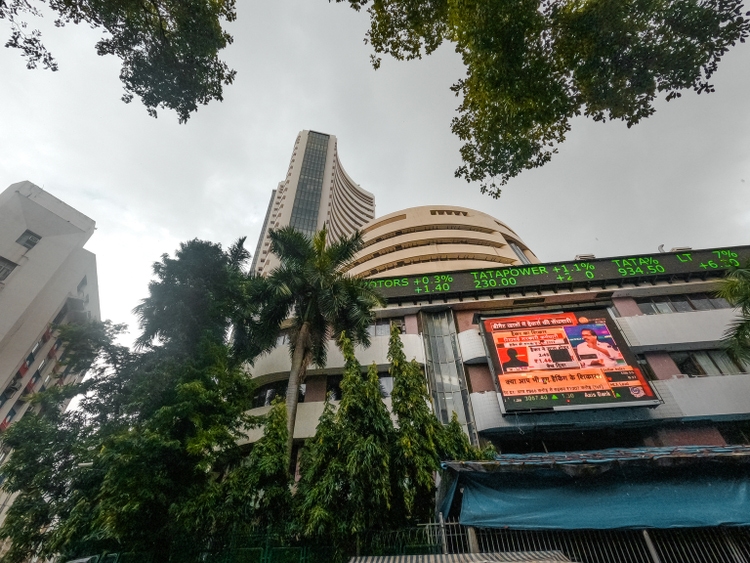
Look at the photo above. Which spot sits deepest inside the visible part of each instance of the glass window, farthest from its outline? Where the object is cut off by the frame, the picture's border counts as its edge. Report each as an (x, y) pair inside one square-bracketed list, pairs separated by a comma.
[(647, 308), (29, 239), (519, 252), (719, 303), (725, 364), (704, 361), (265, 394), (707, 362), (700, 302), (663, 305), (333, 387), (386, 385), (6, 267), (681, 303), (686, 364)]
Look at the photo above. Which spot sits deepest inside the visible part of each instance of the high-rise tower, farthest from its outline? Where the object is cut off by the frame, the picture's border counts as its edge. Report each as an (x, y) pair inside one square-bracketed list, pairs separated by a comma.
[(316, 192)]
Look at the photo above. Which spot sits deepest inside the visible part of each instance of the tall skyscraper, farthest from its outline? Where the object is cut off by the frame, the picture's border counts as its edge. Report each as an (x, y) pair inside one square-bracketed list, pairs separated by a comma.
[(316, 192), (46, 279)]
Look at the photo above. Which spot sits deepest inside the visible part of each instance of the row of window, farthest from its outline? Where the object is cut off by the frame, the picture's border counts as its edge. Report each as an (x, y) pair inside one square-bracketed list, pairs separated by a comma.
[(665, 304), (15, 383), (380, 327), (708, 362), (696, 363), (265, 394)]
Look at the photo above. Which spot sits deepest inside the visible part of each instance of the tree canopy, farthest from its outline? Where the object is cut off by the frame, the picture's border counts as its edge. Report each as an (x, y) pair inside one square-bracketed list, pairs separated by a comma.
[(168, 48), (156, 429), (363, 473), (152, 459), (533, 65)]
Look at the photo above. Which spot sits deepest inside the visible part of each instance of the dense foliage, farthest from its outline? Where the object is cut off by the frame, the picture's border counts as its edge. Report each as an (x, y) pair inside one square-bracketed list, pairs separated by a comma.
[(154, 431), (152, 459), (533, 65), (168, 48), (346, 486), (361, 473)]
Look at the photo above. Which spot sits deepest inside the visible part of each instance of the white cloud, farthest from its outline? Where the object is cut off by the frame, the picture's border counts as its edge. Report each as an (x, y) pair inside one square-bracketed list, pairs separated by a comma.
[(674, 179)]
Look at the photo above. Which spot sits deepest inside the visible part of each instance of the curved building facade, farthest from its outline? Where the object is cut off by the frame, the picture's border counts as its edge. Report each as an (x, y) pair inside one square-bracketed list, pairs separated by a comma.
[(410, 241), (317, 191)]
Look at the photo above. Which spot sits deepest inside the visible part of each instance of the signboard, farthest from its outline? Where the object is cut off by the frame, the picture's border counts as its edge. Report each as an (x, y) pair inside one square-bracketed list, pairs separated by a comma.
[(563, 361), (694, 263)]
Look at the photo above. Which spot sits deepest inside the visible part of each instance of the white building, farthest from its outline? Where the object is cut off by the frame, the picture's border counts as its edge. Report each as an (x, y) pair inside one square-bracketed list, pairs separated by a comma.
[(46, 279), (316, 192)]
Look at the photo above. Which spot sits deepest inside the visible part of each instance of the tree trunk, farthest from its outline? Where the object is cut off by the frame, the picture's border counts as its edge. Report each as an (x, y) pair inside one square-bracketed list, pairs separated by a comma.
[(297, 372)]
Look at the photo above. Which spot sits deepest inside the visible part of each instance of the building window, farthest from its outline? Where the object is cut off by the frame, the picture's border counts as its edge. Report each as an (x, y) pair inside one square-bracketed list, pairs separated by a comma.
[(665, 304), (282, 339), (382, 327), (446, 379), (6, 267), (29, 239), (333, 385), (265, 394), (708, 362)]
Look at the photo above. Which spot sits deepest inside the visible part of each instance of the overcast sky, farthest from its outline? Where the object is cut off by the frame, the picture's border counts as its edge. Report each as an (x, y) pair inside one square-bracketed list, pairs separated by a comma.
[(680, 178)]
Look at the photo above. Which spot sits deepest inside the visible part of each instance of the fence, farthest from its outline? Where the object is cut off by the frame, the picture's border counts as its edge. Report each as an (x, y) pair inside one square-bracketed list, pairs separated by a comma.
[(688, 545)]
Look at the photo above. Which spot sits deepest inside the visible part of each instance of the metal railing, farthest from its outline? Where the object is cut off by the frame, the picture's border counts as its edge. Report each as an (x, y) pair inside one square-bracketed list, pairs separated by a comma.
[(686, 545)]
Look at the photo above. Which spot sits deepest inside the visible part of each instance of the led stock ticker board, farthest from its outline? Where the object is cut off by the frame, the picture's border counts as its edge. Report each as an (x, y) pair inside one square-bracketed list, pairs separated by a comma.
[(698, 263), (563, 361)]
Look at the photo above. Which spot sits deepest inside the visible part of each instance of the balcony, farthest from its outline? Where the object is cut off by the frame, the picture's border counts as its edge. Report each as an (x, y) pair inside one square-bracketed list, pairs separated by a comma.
[(677, 331), (719, 397), (278, 361)]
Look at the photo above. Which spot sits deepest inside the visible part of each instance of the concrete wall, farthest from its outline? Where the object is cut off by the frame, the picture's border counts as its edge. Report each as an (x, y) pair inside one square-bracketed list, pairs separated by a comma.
[(676, 331), (47, 276), (277, 363), (710, 398)]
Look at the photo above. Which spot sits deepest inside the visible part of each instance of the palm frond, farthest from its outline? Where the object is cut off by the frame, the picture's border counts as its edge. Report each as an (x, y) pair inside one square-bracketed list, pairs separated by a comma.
[(735, 288), (290, 245)]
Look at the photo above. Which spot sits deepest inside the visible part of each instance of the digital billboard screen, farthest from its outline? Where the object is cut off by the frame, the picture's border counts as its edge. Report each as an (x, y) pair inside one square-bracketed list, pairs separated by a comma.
[(563, 361), (577, 273)]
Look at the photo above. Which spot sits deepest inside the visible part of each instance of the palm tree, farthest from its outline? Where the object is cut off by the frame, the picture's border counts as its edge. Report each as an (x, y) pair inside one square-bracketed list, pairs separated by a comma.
[(315, 296), (735, 288)]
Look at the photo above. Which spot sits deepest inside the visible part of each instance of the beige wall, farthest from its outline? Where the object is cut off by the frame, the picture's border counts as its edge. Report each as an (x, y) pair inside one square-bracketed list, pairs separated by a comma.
[(409, 241)]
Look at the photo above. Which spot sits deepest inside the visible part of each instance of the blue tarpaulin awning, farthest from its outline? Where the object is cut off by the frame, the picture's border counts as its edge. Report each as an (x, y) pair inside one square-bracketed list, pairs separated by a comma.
[(645, 488)]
